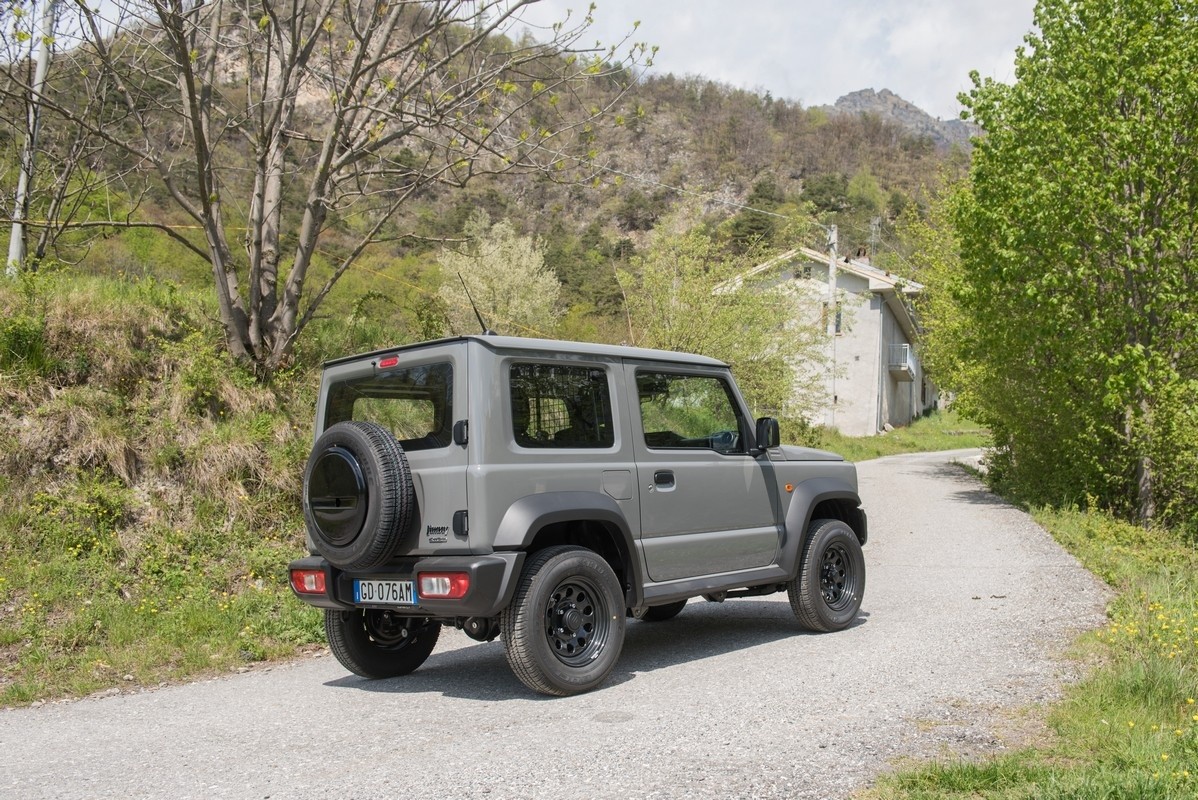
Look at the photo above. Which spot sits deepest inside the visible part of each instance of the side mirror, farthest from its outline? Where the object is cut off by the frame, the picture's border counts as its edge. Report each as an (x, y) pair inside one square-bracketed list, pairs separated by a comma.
[(768, 433)]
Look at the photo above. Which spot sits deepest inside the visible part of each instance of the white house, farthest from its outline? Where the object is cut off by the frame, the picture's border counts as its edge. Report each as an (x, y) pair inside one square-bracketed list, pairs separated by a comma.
[(873, 377)]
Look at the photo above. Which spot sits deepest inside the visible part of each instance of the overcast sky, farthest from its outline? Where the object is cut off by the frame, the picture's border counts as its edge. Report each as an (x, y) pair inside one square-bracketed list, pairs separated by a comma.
[(814, 51)]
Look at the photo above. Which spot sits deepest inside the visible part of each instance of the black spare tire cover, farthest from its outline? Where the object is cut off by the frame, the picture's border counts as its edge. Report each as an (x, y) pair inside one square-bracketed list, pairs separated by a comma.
[(358, 496)]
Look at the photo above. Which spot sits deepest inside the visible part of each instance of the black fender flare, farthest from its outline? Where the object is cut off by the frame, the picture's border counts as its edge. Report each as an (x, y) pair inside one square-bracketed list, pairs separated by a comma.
[(807, 495), (526, 517)]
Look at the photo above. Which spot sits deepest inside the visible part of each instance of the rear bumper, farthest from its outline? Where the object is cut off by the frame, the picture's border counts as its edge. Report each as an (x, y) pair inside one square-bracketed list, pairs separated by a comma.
[(492, 584)]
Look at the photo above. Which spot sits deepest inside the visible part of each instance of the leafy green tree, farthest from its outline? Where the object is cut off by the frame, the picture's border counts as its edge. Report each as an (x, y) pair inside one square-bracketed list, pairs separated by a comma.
[(828, 192), (864, 192), (586, 265), (685, 293), (750, 229), (507, 279), (1075, 290)]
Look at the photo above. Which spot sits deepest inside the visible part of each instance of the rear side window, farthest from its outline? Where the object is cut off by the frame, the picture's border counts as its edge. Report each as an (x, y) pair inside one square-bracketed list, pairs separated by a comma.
[(414, 403), (560, 406)]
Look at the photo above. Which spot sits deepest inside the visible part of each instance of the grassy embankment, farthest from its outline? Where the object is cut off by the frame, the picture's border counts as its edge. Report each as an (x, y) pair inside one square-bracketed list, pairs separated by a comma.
[(1130, 728), (151, 492)]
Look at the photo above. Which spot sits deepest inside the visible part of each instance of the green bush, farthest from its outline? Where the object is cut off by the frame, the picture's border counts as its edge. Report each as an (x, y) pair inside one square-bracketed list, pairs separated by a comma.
[(23, 347)]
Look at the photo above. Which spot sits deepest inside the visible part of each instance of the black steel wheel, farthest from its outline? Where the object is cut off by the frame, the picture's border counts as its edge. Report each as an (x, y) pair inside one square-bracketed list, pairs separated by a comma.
[(358, 495), (576, 623), (836, 578), (564, 629), (660, 613), (377, 643), (826, 594)]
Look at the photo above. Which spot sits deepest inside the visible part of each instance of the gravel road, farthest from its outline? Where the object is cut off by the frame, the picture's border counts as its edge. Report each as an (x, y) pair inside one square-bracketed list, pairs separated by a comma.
[(968, 608)]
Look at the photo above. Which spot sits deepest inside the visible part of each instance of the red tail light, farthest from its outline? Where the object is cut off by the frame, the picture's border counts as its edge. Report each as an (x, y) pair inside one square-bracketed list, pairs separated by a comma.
[(444, 585), (308, 581)]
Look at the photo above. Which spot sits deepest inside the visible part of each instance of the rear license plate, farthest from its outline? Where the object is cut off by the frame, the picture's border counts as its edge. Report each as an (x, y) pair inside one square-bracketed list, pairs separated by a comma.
[(385, 593)]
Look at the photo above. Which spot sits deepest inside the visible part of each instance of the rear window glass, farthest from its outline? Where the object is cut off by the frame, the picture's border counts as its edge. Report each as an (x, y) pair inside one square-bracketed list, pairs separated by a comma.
[(560, 406), (414, 403)]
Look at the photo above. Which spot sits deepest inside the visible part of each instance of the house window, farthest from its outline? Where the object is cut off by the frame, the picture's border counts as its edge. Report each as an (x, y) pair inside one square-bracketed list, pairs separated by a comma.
[(823, 318)]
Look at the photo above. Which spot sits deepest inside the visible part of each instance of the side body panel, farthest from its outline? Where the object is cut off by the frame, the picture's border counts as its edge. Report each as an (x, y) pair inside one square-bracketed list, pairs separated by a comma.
[(702, 511), (503, 471)]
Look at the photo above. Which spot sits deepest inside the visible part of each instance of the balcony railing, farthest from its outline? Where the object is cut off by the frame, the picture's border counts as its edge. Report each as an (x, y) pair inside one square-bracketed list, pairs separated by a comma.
[(902, 362)]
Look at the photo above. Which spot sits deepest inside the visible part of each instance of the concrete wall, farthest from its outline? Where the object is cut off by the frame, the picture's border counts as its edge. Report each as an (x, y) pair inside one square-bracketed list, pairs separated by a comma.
[(857, 362), (902, 401), (862, 396)]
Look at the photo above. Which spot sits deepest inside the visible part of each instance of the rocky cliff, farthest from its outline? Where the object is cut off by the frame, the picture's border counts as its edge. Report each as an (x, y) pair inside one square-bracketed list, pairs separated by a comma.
[(889, 106)]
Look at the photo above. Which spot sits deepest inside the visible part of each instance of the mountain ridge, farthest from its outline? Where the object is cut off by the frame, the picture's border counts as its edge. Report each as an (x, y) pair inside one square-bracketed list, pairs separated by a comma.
[(890, 106)]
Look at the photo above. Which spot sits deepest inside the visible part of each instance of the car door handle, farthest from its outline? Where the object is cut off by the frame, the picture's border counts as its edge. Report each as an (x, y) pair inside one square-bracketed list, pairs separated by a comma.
[(663, 479)]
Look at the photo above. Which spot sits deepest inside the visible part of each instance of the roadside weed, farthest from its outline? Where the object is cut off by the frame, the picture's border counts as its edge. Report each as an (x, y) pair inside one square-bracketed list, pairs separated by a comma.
[(151, 495), (941, 430)]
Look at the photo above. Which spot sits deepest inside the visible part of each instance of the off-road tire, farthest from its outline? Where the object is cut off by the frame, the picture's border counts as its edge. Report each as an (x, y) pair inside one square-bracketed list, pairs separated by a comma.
[(660, 613), (373, 643), (826, 594), (564, 628), (358, 495)]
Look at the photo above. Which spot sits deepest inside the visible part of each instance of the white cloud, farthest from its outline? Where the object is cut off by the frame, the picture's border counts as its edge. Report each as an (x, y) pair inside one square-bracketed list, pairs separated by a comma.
[(814, 52)]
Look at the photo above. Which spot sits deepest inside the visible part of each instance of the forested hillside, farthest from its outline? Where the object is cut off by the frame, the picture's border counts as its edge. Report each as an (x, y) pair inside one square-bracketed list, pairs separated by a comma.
[(688, 143), (586, 155)]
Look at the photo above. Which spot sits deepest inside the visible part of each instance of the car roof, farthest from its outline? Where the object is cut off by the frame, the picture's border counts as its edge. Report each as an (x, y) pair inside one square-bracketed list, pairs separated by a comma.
[(555, 346)]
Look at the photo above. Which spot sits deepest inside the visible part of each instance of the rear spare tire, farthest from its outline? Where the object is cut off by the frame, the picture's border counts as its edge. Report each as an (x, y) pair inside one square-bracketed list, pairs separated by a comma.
[(358, 496)]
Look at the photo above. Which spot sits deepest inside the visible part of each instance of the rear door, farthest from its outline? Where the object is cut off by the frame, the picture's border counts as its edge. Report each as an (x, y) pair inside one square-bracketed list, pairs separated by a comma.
[(706, 504), (418, 394)]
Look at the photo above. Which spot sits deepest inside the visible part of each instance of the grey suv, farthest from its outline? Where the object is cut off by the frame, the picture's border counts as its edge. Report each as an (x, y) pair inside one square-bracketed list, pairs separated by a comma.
[(544, 491)]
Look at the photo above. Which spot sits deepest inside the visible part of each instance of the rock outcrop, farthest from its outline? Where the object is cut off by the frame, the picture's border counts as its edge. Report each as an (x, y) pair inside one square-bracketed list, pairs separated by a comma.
[(889, 106)]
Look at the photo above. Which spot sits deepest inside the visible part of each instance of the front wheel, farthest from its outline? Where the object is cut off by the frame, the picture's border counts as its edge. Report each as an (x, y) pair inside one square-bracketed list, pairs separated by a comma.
[(826, 594), (379, 644), (564, 629)]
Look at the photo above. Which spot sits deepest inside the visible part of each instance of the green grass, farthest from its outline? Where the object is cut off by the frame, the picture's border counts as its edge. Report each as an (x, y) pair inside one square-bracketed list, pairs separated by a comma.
[(941, 430), (151, 492), (1130, 728)]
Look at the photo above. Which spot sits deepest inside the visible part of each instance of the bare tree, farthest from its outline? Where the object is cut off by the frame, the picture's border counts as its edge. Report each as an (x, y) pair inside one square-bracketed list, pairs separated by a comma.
[(62, 154), (343, 111)]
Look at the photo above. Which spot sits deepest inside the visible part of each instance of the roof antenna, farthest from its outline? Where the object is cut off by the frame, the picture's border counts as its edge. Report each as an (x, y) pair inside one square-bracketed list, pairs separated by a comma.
[(486, 331)]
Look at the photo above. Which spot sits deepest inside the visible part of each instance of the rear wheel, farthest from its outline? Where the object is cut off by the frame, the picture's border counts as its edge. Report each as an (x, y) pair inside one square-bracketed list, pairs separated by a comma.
[(379, 644), (660, 613), (826, 594), (564, 629)]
